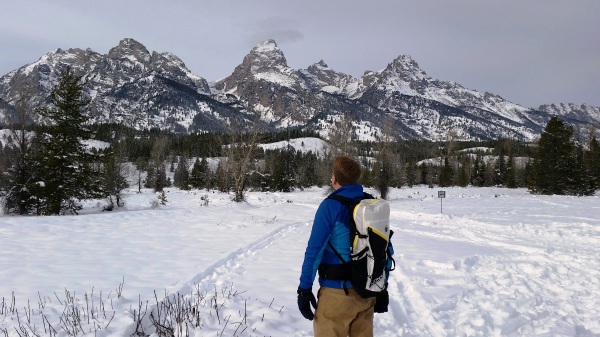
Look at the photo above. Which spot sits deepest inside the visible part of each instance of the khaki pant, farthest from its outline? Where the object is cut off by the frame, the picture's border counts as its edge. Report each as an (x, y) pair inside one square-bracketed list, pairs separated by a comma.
[(341, 315)]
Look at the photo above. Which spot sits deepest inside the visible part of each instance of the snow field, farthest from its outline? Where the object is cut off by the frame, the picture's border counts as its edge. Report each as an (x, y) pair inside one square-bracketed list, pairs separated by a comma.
[(494, 262)]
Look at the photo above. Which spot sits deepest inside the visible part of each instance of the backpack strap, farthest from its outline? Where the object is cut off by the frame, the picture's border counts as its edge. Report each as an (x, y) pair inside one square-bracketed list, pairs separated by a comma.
[(351, 204), (342, 271), (389, 254)]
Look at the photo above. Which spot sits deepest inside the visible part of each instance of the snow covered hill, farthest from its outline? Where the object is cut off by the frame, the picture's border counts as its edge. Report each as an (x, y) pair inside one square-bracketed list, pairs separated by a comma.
[(486, 262), (303, 144)]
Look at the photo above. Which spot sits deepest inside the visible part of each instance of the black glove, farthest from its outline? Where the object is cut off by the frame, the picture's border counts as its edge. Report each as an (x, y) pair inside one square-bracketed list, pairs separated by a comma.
[(305, 299), (382, 301)]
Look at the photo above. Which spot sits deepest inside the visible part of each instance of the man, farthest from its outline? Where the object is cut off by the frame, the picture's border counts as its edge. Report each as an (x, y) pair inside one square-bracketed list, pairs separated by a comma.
[(340, 311)]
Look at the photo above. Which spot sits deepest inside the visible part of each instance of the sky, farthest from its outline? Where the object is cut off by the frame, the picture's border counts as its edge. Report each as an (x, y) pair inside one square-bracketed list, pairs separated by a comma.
[(529, 52)]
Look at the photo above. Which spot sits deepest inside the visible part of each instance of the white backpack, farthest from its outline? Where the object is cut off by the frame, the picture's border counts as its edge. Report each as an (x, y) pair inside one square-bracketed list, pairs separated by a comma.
[(370, 236)]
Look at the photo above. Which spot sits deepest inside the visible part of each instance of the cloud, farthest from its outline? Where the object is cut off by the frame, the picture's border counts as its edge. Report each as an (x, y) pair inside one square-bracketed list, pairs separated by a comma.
[(282, 30), (280, 36)]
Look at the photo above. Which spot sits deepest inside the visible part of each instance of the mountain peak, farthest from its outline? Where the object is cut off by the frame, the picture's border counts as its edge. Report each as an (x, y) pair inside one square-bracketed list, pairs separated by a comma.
[(265, 55), (266, 46), (322, 64), (131, 49), (406, 63)]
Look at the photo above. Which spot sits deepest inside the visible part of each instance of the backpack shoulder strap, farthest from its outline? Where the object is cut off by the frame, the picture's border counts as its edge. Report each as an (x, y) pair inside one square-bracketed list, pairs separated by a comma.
[(368, 196), (348, 201), (344, 200)]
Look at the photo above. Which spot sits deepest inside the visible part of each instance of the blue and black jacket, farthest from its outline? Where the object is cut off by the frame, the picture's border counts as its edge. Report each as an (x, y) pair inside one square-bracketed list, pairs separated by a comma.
[(331, 225)]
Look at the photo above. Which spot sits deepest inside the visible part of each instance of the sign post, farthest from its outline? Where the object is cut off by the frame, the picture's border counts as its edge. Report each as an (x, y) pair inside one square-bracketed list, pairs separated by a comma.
[(441, 195)]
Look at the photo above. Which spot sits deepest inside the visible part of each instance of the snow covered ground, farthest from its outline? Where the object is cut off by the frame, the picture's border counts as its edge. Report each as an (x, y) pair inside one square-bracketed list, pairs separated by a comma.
[(486, 262)]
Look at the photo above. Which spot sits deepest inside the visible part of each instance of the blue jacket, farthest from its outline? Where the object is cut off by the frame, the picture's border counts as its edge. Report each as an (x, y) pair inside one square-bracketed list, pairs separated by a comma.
[(331, 225)]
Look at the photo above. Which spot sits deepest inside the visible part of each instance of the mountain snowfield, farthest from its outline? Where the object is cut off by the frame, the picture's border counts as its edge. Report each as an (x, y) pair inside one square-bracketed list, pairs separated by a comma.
[(481, 262)]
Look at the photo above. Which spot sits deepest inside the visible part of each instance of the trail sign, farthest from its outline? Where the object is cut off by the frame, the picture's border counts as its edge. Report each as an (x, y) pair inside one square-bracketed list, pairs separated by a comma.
[(441, 195)]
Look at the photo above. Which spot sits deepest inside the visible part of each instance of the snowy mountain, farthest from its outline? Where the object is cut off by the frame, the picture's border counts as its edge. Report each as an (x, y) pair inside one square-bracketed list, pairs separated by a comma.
[(143, 89), (128, 85), (572, 112)]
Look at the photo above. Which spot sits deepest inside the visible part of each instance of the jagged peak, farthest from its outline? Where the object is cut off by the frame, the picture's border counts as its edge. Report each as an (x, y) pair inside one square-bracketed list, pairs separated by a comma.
[(266, 46), (406, 59), (405, 63), (268, 53), (318, 67), (130, 43), (169, 57), (129, 46), (268, 49)]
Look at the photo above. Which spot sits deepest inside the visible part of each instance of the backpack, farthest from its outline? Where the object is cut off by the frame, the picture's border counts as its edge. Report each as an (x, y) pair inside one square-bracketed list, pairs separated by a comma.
[(370, 255)]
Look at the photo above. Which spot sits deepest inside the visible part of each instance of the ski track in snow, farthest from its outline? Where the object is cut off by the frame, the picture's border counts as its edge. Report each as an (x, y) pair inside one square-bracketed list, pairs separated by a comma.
[(233, 261)]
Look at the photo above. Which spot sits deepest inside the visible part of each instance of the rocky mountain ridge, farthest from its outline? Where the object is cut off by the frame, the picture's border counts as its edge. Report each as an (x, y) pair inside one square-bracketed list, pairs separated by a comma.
[(143, 89)]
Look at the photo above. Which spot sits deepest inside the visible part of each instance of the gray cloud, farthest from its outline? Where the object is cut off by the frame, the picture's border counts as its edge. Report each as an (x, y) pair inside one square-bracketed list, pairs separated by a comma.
[(280, 36)]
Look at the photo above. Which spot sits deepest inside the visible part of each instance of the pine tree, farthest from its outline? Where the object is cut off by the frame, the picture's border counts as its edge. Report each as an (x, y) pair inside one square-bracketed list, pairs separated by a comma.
[(161, 179), (464, 172), (17, 197), (511, 173), (592, 162), (66, 170), (308, 170), (555, 160), (446, 174), (478, 172), (500, 170), (282, 171), (200, 176), (411, 174), (181, 175), (151, 177), (424, 168), (580, 181)]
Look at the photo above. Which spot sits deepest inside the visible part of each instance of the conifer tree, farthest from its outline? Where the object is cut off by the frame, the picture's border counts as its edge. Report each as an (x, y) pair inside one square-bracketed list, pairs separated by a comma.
[(463, 175), (554, 161), (16, 171), (580, 181), (592, 162), (200, 175), (181, 175), (411, 174), (308, 170), (424, 168), (446, 174), (500, 170), (283, 177), (511, 172), (16, 179), (478, 173), (66, 172)]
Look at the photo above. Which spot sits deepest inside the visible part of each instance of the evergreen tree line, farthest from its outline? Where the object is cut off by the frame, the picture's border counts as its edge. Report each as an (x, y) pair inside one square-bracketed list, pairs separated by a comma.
[(49, 170)]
